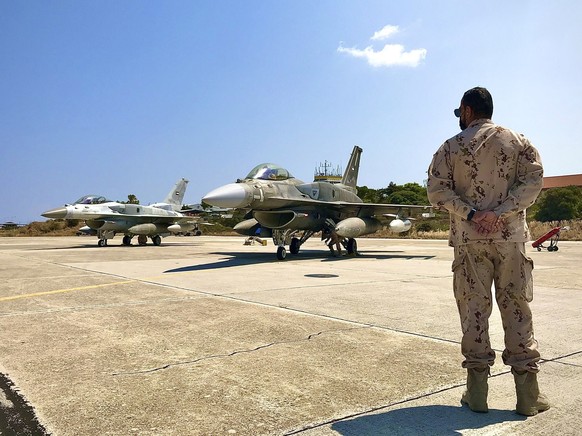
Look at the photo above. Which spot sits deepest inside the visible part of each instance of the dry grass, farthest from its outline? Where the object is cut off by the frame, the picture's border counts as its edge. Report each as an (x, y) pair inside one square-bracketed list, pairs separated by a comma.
[(574, 233), (537, 229), (45, 228)]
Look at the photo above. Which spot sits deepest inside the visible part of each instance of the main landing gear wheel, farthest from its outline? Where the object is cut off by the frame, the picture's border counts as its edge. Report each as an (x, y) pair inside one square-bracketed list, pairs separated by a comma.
[(157, 240), (294, 246), (352, 247), (281, 253), (142, 239), (126, 240), (102, 242)]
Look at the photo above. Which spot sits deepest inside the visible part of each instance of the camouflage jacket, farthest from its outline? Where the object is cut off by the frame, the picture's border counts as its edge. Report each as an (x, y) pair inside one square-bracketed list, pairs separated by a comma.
[(486, 167)]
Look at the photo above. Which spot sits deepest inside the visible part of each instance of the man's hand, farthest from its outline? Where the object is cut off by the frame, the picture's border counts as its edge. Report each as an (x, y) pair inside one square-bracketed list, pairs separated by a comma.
[(486, 222)]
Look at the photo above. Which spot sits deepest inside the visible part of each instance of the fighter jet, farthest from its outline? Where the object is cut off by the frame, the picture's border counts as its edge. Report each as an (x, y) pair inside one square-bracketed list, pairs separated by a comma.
[(105, 218), (291, 211)]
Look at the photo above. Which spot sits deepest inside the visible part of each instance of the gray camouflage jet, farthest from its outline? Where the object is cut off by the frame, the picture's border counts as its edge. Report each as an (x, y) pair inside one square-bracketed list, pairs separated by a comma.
[(291, 211), (105, 218)]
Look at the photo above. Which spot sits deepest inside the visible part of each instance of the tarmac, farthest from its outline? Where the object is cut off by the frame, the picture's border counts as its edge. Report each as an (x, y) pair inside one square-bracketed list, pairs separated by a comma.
[(206, 336)]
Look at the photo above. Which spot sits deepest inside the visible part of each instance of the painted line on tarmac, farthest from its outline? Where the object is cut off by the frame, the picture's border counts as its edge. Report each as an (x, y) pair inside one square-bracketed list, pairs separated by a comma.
[(62, 291)]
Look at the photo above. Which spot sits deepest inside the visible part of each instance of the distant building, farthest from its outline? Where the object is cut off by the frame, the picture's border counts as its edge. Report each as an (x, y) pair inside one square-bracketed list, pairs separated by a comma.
[(10, 225), (562, 181)]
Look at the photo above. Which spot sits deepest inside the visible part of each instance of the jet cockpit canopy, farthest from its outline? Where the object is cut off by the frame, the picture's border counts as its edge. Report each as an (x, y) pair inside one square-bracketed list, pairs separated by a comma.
[(269, 171), (92, 199)]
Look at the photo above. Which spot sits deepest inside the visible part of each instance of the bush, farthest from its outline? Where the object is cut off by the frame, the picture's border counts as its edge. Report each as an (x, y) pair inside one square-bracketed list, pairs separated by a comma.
[(559, 204)]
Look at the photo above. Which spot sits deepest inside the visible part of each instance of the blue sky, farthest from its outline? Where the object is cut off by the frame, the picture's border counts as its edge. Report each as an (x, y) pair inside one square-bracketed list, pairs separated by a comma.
[(126, 97)]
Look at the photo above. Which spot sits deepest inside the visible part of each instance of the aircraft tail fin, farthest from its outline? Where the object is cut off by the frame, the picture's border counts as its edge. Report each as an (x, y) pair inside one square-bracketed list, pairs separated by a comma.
[(350, 177), (176, 196)]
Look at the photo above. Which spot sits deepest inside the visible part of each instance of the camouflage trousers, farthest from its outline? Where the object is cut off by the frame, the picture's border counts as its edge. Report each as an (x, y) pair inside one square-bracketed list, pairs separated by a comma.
[(478, 266)]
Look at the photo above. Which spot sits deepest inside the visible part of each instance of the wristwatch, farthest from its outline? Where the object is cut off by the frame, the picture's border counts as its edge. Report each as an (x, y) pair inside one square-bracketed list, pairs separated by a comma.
[(470, 216)]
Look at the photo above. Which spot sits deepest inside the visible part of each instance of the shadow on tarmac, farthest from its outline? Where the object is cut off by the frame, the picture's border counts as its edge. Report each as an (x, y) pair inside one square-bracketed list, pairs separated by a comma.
[(246, 258), (17, 417), (433, 420), (120, 245)]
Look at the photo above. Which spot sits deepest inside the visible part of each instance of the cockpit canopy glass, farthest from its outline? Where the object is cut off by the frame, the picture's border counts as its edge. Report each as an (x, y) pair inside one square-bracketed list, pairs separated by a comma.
[(269, 171), (92, 199)]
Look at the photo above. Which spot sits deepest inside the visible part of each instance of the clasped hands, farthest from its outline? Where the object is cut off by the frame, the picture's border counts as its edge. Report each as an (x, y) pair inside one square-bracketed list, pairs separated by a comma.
[(486, 222)]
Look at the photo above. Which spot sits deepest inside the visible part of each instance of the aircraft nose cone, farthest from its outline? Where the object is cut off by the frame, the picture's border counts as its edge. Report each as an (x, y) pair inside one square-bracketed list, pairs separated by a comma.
[(59, 212), (231, 195)]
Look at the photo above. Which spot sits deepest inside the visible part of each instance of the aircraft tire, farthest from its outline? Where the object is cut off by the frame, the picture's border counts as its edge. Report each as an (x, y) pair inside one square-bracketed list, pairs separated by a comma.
[(294, 246), (102, 242), (352, 246), (142, 239), (157, 240), (281, 253), (126, 240)]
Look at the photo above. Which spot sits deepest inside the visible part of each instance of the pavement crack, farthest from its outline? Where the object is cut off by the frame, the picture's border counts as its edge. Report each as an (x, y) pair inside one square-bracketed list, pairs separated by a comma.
[(236, 352), (559, 358), (390, 405), (372, 410)]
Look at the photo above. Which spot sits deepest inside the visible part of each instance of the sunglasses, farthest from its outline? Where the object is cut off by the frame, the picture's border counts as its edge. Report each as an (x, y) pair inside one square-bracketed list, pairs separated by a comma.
[(457, 112)]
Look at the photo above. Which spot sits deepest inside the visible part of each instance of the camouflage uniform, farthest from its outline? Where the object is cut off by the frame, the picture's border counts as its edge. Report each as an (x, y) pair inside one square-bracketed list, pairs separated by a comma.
[(488, 167)]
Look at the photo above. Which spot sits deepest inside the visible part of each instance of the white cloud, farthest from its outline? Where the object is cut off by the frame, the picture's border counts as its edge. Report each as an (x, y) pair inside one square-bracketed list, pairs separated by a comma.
[(390, 55), (385, 33)]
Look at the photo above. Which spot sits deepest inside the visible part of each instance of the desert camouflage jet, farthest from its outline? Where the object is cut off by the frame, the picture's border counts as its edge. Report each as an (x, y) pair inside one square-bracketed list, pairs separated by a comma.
[(105, 218), (291, 211)]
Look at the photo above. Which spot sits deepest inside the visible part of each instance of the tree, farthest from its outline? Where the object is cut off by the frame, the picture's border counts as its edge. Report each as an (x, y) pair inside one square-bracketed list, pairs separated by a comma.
[(132, 199), (409, 193), (559, 204), (368, 195)]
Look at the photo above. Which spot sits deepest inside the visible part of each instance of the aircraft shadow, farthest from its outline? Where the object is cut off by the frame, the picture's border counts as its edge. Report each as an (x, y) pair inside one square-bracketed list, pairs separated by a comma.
[(113, 246), (242, 258), (433, 420)]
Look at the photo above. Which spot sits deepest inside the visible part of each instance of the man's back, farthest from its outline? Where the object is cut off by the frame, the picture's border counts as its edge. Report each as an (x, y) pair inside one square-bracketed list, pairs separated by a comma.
[(487, 167)]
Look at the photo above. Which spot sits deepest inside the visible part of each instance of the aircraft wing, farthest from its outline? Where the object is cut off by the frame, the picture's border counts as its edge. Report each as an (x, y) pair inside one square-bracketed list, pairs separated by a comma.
[(361, 210), (163, 217), (137, 218)]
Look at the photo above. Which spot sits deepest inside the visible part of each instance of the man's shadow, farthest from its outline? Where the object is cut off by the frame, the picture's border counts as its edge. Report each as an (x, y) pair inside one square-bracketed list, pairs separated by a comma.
[(425, 420)]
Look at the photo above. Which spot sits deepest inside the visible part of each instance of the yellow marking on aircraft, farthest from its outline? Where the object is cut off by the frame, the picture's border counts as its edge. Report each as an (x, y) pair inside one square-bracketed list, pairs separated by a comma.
[(60, 291)]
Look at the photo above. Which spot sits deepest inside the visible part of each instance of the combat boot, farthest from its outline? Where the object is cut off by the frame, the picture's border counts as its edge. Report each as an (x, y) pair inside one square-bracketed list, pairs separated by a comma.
[(529, 399), (476, 394)]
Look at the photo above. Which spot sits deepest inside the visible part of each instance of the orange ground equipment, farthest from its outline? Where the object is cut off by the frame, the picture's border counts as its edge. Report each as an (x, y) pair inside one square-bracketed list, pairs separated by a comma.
[(553, 236)]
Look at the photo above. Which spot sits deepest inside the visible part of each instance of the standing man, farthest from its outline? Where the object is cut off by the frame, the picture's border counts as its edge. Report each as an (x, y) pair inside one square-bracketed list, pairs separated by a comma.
[(486, 176)]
